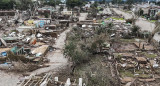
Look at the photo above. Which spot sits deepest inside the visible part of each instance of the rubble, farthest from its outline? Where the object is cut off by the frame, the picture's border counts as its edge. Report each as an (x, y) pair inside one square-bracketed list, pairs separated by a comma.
[(127, 79), (29, 39), (48, 79), (29, 36), (141, 60)]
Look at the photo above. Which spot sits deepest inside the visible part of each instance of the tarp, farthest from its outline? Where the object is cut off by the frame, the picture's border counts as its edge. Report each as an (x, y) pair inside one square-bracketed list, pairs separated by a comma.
[(30, 21), (4, 53), (42, 22)]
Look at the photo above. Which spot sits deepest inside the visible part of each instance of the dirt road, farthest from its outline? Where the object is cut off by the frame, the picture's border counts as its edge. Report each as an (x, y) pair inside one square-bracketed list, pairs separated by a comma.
[(8, 79), (142, 23), (57, 59)]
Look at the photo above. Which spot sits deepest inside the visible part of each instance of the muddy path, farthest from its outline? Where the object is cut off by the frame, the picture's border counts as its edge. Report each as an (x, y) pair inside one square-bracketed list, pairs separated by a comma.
[(56, 58)]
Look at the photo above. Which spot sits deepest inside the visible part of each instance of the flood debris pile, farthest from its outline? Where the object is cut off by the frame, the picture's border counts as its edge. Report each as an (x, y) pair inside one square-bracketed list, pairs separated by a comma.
[(24, 47), (138, 64), (48, 79), (136, 61)]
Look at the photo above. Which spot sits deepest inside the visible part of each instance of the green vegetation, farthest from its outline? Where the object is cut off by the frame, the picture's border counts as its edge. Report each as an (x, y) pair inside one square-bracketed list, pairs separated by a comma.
[(115, 18), (73, 3), (80, 48), (117, 1), (131, 21), (87, 55), (46, 15), (144, 76), (96, 74), (135, 30), (152, 21), (150, 55), (24, 4), (19, 4), (130, 2), (7, 4), (52, 2), (95, 4), (127, 40), (139, 71), (126, 73)]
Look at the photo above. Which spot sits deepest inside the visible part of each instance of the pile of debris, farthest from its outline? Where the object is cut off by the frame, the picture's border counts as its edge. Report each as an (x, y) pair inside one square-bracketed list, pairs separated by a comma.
[(48, 80), (139, 64)]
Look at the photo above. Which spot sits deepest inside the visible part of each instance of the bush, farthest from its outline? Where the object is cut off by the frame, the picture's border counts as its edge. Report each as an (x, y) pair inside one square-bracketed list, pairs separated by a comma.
[(97, 46), (127, 36), (158, 16), (131, 21), (135, 30), (80, 57), (76, 55), (69, 49), (46, 15)]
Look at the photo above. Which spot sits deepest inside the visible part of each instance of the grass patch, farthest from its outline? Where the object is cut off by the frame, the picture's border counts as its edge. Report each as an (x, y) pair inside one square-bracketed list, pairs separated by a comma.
[(139, 71), (128, 11), (144, 76), (127, 40), (150, 55), (115, 18), (152, 21), (126, 73)]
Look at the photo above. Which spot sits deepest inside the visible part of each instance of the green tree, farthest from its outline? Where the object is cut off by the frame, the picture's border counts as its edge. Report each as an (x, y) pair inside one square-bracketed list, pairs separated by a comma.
[(95, 4), (135, 30), (96, 46), (52, 2), (7, 4), (117, 1), (24, 4), (130, 2), (73, 3)]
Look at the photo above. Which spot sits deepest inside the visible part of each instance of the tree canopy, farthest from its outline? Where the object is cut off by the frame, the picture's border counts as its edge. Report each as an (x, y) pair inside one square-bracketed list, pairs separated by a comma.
[(52, 2), (19, 4), (24, 4), (7, 4), (117, 1), (129, 2), (73, 3)]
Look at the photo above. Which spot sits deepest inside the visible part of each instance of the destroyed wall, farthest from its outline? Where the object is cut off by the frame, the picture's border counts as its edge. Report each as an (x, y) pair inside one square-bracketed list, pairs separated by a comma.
[(7, 13)]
